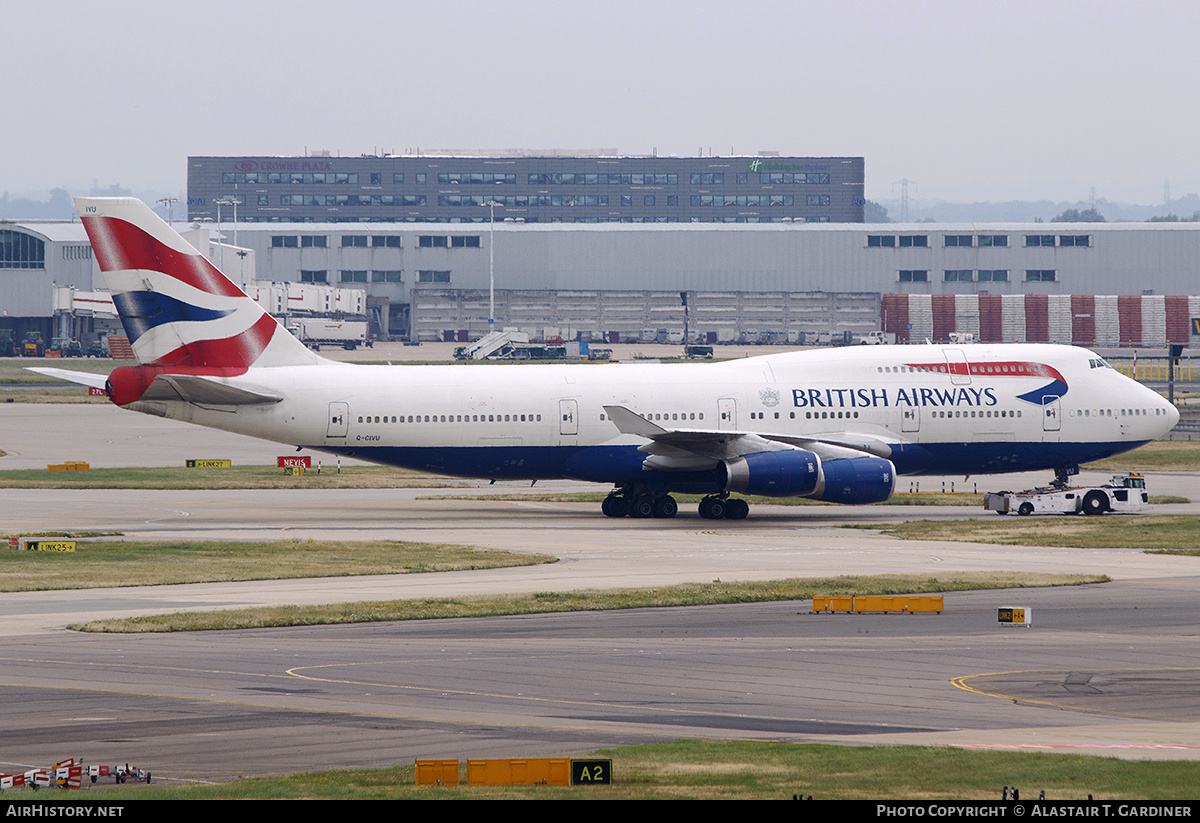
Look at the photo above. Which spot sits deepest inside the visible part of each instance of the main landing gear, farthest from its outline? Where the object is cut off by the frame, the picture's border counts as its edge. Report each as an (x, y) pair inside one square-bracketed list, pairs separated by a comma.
[(718, 506), (641, 502)]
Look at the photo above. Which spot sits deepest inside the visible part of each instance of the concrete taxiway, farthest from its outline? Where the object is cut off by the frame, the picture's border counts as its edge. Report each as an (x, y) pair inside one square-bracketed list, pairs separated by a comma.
[(1108, 669)]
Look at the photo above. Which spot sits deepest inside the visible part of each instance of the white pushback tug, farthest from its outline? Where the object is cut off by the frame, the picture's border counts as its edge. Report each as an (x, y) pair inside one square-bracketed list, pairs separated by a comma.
[(1124, 493)]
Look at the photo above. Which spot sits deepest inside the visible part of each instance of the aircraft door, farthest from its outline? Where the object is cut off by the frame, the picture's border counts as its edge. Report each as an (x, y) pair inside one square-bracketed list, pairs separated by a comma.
[(1051, 413), (726, 413), (910, 417), (956, 364), (568, 417), (339, 420)]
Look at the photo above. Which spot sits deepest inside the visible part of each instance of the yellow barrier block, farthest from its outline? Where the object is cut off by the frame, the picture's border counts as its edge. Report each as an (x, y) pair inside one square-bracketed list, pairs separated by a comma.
[(548, 771), (437, 772), (839, 603), (890, 603), (878, 603), (68, 467)]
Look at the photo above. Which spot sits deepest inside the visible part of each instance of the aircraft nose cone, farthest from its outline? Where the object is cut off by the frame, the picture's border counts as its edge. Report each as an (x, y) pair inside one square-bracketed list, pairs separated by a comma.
[(1172, 416)]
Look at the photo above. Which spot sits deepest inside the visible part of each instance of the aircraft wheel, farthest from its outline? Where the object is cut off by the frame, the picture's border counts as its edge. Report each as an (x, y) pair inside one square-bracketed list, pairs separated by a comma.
[(614, 506), (641, 506), (737, 509), (716, 508), (665, 506), (1095, 503), (1025, 510)]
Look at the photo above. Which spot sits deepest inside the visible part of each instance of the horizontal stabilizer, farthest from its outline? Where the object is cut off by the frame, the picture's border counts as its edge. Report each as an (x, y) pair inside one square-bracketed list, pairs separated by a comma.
[(204, 391), (96, 381)]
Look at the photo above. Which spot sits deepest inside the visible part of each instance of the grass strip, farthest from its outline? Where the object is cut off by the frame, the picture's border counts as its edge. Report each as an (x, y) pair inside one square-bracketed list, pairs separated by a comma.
[(686, 594), (1177, 533), (754, 770), (1161, 455), (104, 563), (236, 477)]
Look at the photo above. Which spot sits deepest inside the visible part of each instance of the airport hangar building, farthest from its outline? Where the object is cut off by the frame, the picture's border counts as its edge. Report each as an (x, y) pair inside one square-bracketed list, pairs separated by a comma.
[(1102, 284), (602, 247)]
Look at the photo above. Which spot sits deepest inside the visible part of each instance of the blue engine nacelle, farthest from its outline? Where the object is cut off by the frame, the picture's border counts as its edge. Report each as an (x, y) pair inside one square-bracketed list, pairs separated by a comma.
[(857, 480), (793, 473)]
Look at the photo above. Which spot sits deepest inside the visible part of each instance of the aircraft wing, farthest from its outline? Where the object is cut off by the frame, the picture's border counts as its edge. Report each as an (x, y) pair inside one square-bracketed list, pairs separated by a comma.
[(96, 381), (698, 448)]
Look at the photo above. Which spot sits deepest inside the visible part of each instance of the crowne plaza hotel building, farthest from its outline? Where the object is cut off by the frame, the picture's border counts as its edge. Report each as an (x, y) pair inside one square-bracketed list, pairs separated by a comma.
[(531, 187)]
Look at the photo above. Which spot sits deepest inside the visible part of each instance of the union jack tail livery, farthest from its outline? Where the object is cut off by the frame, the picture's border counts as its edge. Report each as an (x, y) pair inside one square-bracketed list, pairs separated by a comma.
[(177, 308)]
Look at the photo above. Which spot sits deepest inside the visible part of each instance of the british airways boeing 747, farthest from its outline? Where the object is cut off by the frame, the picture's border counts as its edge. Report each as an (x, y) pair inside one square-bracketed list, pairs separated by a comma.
[(835, 425)]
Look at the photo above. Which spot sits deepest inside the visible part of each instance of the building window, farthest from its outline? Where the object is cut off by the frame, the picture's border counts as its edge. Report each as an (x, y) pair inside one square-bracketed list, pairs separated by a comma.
[(1039, 275), (398, 179), (881, 241), (823, 200), (958, 240), (990, 240), (316, 241), (387, 276), (420, 178), (914, 276), (389, 241), (21, 251), (648, 200), (426, 276), (285, 241), (1076, 240), (318, 276), (353, 276), (464, 241), (433, 241), (913, 240), (354, 241), (958, 276), (993, 275), (1039, 240)]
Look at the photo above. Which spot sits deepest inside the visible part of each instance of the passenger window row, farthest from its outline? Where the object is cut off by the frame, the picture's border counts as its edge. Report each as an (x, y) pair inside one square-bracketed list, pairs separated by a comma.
[(451, 418)]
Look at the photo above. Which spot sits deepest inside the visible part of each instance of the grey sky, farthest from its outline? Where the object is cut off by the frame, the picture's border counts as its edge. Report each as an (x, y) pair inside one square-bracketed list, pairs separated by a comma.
[(974, 101)]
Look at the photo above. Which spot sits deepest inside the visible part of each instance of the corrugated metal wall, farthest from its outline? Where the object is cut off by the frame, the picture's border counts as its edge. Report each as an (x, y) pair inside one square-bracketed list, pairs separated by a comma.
[(1100, 320)]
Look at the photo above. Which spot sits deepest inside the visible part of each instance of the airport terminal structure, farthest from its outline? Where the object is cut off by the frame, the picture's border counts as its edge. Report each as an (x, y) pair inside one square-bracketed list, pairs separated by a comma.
[(575, 269)]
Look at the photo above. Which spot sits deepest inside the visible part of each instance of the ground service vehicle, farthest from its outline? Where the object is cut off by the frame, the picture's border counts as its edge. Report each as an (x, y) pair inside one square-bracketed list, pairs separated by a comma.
[(1124, 493), (315, 332), (34, 345)]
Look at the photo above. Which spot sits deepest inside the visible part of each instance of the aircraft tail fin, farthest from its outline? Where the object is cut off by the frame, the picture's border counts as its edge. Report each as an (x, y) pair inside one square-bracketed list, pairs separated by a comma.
[(180, 311)]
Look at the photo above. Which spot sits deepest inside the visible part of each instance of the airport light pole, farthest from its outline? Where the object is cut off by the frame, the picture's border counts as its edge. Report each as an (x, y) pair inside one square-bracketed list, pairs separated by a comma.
[(225, 201), (491, 204), (169, 202)]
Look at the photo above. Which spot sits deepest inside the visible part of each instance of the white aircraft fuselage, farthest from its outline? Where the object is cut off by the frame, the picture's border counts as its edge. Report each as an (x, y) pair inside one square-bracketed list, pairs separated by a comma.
[(831, 424)]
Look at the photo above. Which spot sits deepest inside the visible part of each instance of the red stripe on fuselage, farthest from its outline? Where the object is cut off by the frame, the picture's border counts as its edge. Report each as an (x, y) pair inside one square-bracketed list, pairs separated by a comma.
[(1002, 368), (120, 245)]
